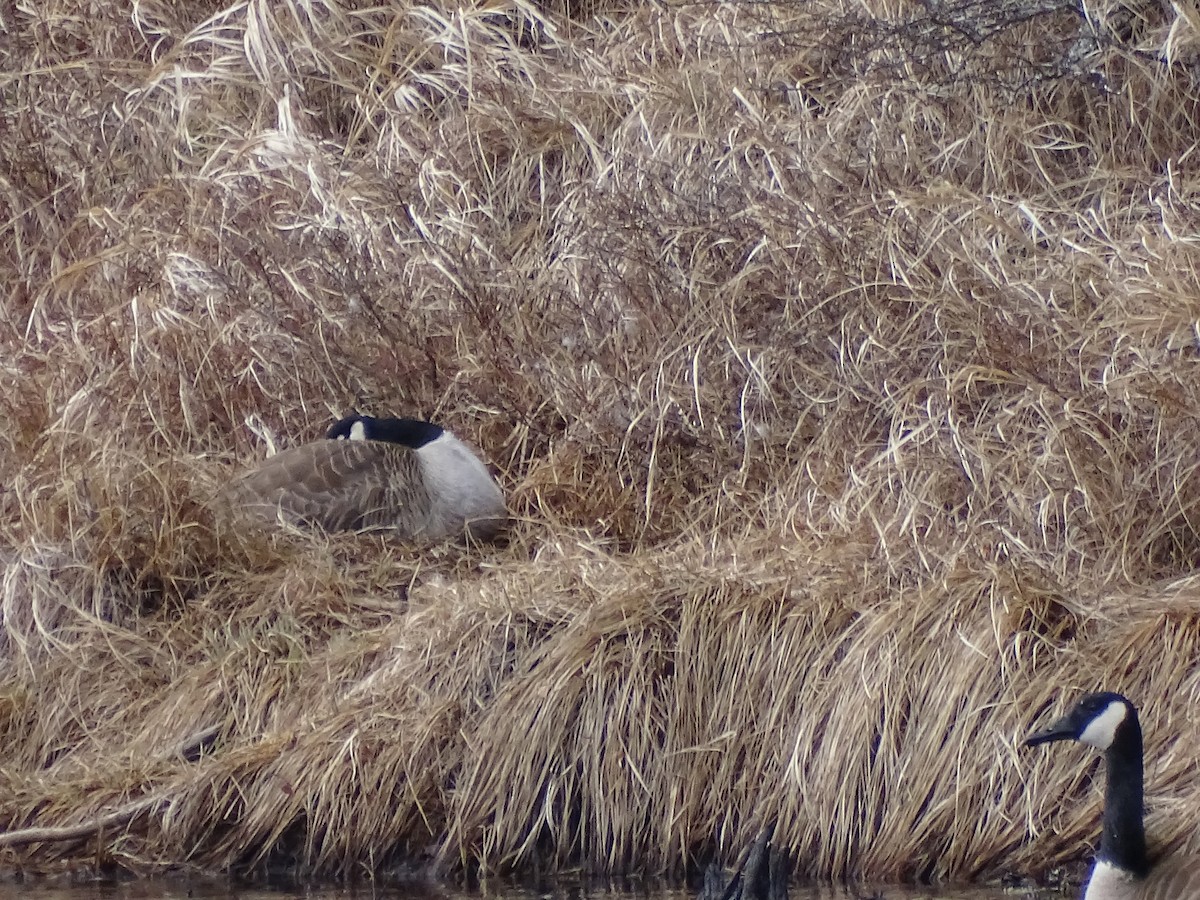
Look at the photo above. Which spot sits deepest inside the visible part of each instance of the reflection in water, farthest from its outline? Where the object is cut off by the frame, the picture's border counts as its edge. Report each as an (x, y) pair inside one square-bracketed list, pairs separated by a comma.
[(199, 889)]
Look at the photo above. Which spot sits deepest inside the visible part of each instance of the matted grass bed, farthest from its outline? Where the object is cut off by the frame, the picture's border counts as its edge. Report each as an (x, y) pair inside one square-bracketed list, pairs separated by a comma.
[(840, 362)]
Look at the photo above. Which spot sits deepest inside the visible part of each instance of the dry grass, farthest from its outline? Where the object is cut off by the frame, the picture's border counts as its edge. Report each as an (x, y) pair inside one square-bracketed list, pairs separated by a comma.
[(842, 368)]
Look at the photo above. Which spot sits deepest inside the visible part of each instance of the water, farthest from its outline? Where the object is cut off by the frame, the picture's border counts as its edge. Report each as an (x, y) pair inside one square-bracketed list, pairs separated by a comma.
[(195, 889)]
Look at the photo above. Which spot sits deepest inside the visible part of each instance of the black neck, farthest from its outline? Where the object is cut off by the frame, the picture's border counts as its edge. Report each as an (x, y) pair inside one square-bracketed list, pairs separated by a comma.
[(410, 432), (1123, 842)]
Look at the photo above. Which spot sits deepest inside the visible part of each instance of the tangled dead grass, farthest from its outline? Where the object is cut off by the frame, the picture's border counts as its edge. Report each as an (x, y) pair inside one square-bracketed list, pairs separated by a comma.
[(840, 361)]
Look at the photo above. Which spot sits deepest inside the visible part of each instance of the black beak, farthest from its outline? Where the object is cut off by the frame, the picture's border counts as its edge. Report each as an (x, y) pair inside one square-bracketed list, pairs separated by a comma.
[(1061, 730)]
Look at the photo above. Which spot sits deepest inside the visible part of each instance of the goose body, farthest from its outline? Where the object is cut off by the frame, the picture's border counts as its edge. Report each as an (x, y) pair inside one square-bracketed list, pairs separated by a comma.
[(404, 474), (1122, 871)]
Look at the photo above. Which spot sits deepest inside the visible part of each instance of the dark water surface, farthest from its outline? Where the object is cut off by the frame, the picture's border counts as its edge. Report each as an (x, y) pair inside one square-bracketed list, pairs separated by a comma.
[(210, 890)]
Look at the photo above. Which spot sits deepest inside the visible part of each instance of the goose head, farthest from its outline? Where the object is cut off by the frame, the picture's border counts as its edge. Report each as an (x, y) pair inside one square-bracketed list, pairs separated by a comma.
[(413, 433), (1096, 720)]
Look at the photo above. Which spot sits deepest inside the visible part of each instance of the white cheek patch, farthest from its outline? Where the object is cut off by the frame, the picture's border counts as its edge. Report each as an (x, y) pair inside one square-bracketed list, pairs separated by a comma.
[(358, 432), (1103, 728)]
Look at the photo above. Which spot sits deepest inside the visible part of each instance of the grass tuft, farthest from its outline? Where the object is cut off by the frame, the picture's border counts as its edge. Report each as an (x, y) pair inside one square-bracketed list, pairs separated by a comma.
[(839, 361)]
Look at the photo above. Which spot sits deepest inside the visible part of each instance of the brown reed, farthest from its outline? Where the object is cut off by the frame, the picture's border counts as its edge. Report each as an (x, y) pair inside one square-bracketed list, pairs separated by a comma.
[(839, 361)]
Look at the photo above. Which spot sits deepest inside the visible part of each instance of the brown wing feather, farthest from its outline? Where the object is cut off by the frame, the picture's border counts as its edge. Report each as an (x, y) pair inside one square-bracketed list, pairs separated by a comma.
[(336, 485), (1176, 876)]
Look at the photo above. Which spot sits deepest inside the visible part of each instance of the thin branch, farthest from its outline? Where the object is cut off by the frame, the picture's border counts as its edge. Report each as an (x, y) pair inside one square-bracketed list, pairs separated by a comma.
[(120, 816)]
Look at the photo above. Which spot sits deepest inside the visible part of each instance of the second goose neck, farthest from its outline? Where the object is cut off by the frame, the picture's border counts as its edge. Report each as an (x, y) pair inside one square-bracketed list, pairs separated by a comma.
[(1123, 842)]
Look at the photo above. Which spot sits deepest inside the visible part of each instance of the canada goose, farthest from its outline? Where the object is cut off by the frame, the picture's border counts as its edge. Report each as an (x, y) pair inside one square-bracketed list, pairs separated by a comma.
[(1122, 870), (412, 476)]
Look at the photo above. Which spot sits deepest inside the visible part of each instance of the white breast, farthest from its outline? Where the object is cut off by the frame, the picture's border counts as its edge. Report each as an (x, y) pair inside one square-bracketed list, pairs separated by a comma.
[(1110, 883), (460, 486)]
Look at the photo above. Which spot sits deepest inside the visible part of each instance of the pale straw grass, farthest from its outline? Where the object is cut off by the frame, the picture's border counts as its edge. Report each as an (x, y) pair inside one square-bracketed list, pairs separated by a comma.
[(838, 361)]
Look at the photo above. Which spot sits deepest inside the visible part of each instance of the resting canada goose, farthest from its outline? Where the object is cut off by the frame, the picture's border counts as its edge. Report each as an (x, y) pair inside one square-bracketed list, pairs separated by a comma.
[(1122, 870), (412, 476)]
